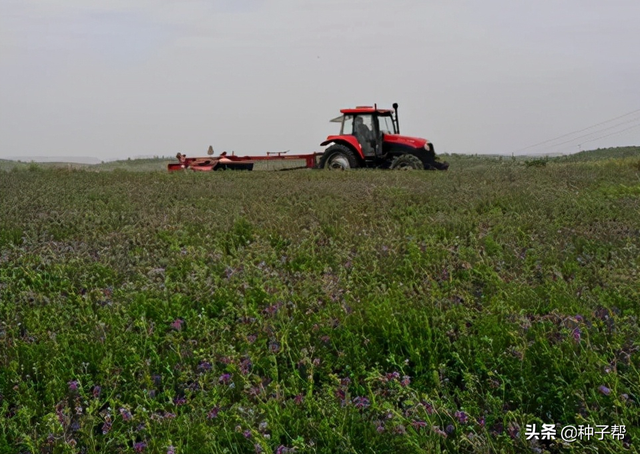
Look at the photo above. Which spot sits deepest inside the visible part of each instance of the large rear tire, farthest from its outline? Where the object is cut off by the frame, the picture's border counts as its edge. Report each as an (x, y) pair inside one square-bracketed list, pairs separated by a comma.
[(338, 157), (406, 162)]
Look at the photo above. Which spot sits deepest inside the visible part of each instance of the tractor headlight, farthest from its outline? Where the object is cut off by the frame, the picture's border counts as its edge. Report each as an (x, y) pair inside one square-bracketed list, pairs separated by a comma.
[(426, 146)]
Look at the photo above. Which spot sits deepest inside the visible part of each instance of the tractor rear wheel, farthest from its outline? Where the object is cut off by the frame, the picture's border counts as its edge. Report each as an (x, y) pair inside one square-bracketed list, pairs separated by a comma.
[(406, 162), (338, 157)]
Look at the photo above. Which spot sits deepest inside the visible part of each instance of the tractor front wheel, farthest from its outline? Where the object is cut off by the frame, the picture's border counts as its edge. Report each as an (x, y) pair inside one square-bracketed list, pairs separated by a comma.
[(406, 162), (338, 157)]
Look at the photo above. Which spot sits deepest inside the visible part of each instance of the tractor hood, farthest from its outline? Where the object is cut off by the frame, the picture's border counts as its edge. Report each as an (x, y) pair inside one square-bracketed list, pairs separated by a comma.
[(415, 142)]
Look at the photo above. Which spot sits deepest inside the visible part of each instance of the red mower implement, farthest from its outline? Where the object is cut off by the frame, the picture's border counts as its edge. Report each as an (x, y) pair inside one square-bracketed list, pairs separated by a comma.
[(232, 162)]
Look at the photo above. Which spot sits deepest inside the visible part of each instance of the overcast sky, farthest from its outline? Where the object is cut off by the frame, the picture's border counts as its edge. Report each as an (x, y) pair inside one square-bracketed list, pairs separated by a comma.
[(121, 78)]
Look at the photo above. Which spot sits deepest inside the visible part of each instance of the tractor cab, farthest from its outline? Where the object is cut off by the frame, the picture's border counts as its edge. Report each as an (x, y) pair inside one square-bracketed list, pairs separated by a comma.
[(368, 125), (370, 137)]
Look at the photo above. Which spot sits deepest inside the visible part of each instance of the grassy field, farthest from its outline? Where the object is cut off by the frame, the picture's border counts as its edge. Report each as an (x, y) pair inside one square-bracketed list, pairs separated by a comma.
[(320, 312)]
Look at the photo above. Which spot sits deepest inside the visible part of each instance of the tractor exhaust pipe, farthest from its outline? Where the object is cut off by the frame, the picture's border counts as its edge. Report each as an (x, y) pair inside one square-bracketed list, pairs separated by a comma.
[(395, 107)]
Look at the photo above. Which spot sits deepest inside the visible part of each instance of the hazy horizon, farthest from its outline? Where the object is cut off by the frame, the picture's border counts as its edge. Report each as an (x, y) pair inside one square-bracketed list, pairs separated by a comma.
[(117, 80)]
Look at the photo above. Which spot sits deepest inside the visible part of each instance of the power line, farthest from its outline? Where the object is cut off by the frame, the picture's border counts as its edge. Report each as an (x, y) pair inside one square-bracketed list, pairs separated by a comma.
[(608, 135), (596, 132), (576, 132)]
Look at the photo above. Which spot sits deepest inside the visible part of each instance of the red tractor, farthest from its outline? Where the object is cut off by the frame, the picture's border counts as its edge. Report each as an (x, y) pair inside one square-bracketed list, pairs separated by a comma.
[(370, 137)]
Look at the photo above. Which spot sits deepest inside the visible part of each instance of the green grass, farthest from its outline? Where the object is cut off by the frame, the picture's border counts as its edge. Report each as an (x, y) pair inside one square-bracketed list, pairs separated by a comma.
[(361, 311)]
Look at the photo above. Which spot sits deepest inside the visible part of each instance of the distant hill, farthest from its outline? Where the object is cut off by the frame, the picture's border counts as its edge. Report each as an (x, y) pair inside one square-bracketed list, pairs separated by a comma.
[(58, 159), (134, 165), (601, 153)]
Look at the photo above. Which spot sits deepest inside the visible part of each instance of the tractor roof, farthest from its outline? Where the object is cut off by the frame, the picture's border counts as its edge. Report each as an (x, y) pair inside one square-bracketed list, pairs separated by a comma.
[(366, 109)]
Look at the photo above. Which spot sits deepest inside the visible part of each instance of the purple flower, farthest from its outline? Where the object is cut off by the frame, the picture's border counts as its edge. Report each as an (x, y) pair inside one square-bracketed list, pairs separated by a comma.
[(255, 391), (96, 391), (274, 347), (245, 366), (282, 450), (361, 402), (204, 366), (140, 446), (418, 424), (406, 380), (346, 381), (225, 379), (258, 448), (514, 431), (576, 335), (177, 324), (247, 434), (392, 376), (428, 407), (171, 450), (213, 413), (461, 416), (604, 390), (60, 413), (179, 400), (450, 429), (73, 385), (271, 310), (400, 429), (106, 427), (299, 399), (251, 338), (439, 431), (126, 414)]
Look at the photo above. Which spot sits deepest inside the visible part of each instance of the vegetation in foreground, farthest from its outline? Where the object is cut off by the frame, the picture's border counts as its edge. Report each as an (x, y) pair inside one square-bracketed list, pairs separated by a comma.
[(310, 311)]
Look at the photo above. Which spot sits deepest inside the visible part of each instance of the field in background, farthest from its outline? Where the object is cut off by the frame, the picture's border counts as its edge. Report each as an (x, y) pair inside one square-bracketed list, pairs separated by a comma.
[(316, 311), (136, 165), (460, 161)]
